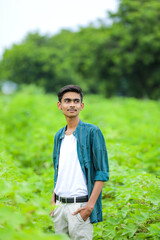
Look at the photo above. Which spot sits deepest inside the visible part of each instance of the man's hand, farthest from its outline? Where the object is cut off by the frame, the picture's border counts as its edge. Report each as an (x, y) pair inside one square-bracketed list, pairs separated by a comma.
[(85, 212), (53, 204), (53, 207)]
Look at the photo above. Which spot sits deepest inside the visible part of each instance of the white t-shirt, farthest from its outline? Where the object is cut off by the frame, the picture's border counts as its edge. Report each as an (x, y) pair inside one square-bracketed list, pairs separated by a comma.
[(71, 181)]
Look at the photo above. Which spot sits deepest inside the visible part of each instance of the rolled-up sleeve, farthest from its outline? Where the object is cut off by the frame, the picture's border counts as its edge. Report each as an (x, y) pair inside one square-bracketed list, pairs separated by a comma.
[(100, 157), (101, 176)]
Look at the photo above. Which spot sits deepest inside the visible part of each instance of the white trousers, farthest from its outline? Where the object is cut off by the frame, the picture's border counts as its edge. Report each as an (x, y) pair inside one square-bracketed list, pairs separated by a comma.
[(73, 225)]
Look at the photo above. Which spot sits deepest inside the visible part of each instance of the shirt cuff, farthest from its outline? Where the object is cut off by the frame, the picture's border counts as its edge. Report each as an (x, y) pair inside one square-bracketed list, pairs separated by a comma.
[(101, 176)]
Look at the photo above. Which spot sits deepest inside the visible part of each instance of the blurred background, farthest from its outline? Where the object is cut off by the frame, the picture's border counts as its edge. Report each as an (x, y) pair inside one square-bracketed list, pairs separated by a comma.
[(106, 47), (112, 50)]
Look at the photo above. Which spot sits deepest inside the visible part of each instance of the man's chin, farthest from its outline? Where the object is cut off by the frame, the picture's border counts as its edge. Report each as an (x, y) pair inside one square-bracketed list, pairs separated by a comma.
[(71, 115)]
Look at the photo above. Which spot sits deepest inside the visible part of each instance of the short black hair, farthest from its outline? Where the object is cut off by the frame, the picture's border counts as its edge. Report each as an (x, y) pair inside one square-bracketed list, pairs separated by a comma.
[(70, 88)]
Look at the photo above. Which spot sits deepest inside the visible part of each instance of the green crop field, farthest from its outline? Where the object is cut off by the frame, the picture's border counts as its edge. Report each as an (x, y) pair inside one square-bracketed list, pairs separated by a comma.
[(29, 120)]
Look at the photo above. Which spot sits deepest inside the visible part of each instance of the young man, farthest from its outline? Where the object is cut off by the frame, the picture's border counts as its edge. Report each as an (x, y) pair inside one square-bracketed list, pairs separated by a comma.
[(81, 167)]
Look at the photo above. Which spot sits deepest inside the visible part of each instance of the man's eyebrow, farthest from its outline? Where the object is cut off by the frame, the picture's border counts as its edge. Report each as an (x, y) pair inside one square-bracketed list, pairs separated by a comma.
[(72, 99)]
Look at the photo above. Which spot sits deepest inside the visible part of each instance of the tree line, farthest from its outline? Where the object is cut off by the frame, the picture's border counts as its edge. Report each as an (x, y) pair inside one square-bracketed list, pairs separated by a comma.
[(122, 58)]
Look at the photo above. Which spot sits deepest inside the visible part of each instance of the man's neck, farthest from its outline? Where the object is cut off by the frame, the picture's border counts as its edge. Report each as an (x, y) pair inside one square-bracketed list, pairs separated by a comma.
[(72, 124)]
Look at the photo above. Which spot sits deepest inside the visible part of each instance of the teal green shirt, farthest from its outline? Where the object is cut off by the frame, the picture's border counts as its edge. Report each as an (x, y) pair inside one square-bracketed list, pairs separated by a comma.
[(92, 154)]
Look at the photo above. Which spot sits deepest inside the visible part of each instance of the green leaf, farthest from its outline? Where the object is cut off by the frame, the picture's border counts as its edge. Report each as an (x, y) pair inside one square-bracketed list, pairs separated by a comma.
[(130, 229)]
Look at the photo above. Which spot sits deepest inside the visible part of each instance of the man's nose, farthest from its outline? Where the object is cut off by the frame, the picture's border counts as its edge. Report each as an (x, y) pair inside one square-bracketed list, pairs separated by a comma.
[(72, 103)]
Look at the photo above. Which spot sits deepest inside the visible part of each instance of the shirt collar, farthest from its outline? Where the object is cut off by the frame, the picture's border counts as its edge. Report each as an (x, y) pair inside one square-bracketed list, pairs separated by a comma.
[(75, 131)]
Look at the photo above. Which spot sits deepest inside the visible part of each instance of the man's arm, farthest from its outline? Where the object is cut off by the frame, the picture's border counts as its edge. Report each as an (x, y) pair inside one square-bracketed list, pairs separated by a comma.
[(100, 162), (54, 163), (86, 211)]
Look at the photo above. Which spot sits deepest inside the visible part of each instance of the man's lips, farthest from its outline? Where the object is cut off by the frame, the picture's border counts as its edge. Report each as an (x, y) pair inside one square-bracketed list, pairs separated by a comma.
[(71, 110)]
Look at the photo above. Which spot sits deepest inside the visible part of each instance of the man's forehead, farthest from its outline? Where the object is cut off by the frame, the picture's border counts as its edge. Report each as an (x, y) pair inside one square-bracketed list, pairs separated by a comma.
[(71, 95)]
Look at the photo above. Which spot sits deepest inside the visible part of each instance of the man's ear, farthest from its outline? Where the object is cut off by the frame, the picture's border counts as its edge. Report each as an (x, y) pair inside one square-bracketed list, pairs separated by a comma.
[(82, 106), (59, 105)]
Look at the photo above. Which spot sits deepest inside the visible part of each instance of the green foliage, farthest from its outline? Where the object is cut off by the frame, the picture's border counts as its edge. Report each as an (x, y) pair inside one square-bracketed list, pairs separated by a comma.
[(132, 49), (24, 201), (118, 59), (28, 122)]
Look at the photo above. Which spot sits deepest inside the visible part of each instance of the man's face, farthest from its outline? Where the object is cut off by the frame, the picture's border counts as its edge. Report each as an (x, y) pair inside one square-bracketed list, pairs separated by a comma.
[(71, 104)]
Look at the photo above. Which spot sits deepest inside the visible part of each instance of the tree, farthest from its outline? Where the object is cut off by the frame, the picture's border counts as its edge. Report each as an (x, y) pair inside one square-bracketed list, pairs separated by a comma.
[(128, 60), (117, 59)]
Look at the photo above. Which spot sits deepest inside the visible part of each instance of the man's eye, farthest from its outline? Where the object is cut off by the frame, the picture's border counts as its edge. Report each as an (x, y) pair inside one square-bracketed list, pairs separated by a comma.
[(66, 100), (76, 101)]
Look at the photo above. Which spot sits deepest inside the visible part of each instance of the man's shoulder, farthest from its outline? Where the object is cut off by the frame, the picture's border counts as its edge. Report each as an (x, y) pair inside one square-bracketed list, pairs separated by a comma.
[(59, 132), (91, 132), (89, 126)]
